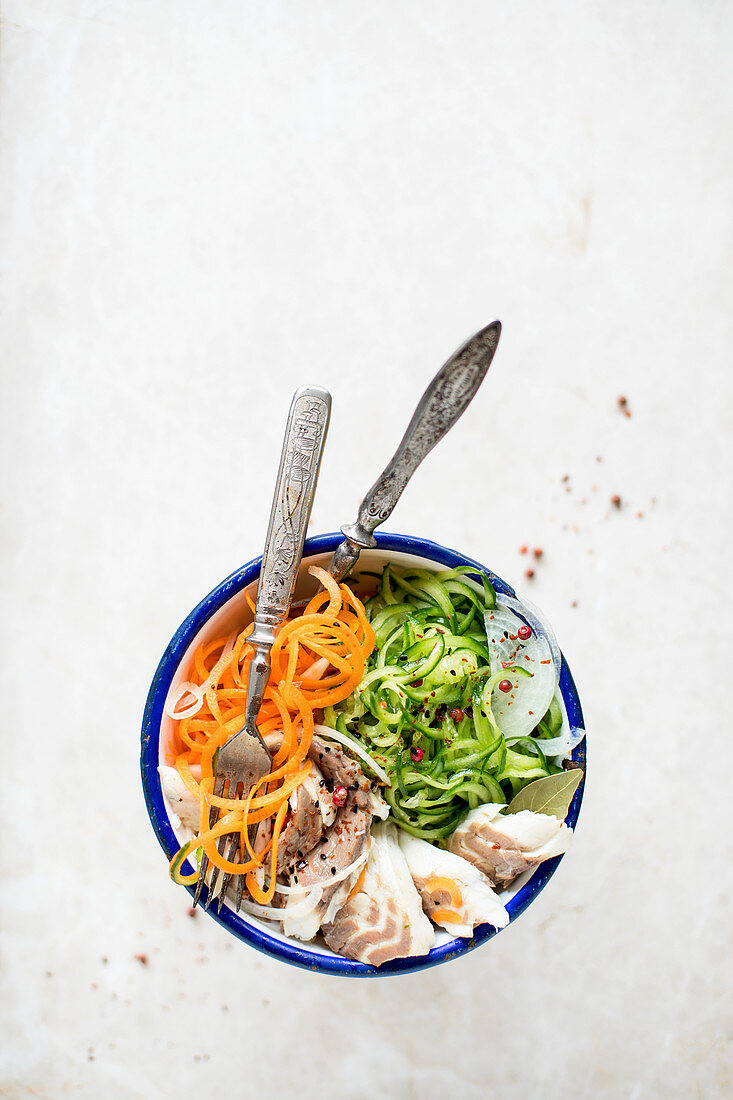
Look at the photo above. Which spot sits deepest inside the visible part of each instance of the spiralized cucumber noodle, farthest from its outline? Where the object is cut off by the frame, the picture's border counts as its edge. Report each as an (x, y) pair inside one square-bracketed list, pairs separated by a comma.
[(423, 708)]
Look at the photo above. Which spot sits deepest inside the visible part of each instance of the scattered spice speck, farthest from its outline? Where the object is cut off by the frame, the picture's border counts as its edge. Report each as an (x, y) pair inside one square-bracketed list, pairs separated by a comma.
[(538, 552), (523, 549), (529, 573), (142, 959), (192, 912), (616, 500), (573, 603)]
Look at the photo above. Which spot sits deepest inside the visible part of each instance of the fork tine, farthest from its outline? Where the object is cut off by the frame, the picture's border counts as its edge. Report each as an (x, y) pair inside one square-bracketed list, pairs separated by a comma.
[(221, 841), (230, 854), (240, 878), (200, 880), (239, 893), (233, 848), (213, 818)]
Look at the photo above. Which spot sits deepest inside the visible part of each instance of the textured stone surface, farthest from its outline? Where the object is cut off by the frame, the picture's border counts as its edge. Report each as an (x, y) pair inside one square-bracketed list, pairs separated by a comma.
[(203, 206)]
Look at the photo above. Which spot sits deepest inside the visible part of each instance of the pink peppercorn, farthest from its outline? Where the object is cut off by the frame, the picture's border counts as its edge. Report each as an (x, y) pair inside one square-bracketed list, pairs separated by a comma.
[(505, 685), (417, 754), (339, 796), (524, 632)]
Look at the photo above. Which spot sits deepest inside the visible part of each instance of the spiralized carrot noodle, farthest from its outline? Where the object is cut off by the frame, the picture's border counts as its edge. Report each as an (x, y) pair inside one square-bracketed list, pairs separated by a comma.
[(317, 660), (446, 916), (437, 884)]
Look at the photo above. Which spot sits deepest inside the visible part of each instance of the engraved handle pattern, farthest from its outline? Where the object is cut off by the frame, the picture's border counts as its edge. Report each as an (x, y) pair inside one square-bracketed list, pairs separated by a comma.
[(443, 402), (300, 462)]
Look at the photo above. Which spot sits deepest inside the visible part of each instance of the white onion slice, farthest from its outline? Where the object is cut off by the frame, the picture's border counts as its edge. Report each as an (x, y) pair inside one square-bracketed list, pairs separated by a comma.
[(357, 865), (564, 743), (310, 899), (534, 618), (299, 908), (309, 902), (316, 670), (352, 746), (174, 700), (288, 889), (518, 711)]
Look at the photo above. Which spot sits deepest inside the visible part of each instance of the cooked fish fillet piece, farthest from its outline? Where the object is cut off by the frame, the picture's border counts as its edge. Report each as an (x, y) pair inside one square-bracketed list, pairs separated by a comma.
[(313, 811), (184, 805), (378, 806), (342, 844), (455, 894), (382, 919), (505, 845)]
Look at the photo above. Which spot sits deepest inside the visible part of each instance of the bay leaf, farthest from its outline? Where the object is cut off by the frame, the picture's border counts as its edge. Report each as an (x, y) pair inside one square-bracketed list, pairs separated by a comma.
[(549, 795)]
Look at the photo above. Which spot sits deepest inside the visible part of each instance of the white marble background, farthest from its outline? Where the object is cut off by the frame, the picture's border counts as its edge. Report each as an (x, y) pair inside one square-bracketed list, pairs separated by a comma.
[(205, 205)]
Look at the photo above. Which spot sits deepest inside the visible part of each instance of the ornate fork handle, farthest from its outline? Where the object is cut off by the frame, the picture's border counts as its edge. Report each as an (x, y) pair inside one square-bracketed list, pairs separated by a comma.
[(305, 436), (445, 399)]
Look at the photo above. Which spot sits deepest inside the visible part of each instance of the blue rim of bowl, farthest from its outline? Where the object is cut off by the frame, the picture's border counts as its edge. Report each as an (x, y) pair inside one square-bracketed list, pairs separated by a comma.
[(149, 758)]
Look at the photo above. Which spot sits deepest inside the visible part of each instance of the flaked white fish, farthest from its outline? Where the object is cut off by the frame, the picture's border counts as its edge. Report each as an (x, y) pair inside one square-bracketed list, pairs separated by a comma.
[(341, 845), (455, 894), (183, 805), (383, 919), (505, 845)]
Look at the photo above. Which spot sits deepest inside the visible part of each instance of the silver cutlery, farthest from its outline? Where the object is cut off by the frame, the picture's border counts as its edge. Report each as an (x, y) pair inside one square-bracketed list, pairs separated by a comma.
[(245, 759), (443, 402)]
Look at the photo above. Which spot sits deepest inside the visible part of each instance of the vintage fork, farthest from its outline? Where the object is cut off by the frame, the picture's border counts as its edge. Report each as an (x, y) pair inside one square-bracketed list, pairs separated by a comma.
[(244, 759), (446, 398)]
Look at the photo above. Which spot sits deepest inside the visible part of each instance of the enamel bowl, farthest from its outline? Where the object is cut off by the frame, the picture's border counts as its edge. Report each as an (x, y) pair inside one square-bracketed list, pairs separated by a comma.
[(219, 613)]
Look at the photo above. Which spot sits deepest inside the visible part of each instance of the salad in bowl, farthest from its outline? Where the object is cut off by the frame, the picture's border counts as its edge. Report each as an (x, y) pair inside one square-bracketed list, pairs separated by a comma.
[(428, 758)]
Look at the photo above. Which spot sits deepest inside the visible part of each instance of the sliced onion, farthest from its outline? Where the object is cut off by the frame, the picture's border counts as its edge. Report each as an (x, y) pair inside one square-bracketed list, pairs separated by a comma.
[(355, 866), (346, 873), (173, 701), (352, 746), (289, 889), (309, 902), (564, 743), (518, 711), (534, 618), (316, 670), (310, 898)]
